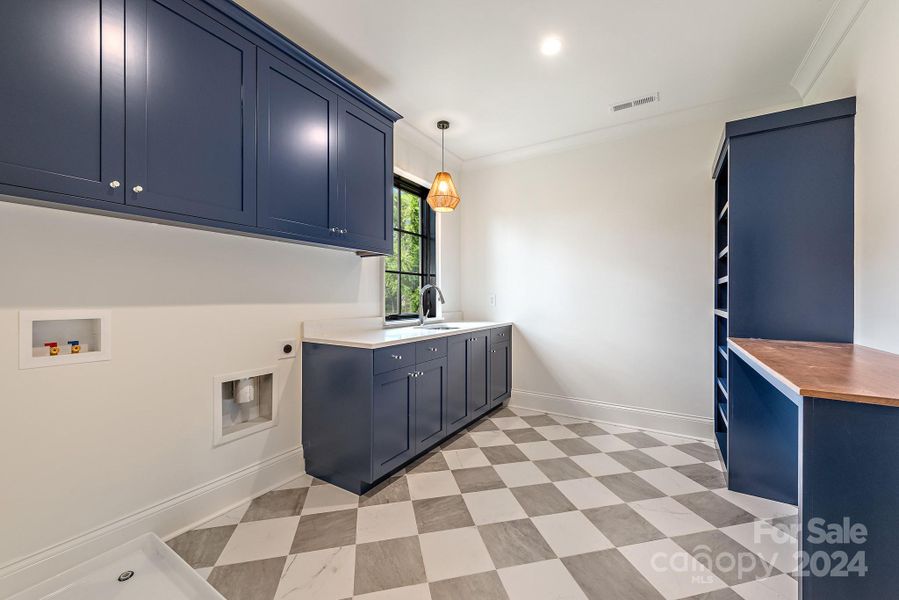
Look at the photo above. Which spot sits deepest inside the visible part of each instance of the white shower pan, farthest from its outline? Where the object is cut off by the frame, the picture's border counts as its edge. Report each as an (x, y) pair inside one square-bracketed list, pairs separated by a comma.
[(158, 574)]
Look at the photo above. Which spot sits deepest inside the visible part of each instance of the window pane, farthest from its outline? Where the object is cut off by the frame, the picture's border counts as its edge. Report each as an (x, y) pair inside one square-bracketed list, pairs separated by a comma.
[(396, 208), (410, 285), (392, 263), (410, 254), (411, 209), (391, 294)]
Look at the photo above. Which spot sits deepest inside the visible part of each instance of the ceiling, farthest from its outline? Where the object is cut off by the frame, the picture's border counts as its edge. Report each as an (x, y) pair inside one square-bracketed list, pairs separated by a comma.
[(478, 62)]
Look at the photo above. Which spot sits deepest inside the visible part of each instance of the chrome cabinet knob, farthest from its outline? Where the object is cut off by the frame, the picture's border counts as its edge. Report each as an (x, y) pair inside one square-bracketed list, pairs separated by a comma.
[(333, 230), (433, 349), (115, 184), (137, 189), (396, 356), (343, 231)]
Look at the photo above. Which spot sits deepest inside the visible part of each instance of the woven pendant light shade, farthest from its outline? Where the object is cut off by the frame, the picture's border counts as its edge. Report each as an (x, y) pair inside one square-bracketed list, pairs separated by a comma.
[(443, 196)]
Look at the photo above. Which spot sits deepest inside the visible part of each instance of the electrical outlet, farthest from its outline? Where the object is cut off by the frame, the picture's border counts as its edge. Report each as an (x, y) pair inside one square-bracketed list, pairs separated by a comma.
[(287, 349), (492, 299)]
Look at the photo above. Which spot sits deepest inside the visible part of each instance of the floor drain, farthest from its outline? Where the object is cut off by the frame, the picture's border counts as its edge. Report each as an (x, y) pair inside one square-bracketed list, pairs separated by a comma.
[(126, 575)]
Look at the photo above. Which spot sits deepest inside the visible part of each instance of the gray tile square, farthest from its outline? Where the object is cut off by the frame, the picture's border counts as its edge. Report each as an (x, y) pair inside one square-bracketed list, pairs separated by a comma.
[(630, 487), (539, 421), (715, 509), (460, 441), (622, 525), (512, 543), (700, 451), (478, 479), (704, 475), (522, 436), (608, 575), (503, 412), (276, 504), (429, 463), (483, 586), (722, 594), (255, 580), (325, 530), (542, 499), (395, 489), (501, 455), (388, 564), (575, 447), (483, 425), (635, 460), (721, 555), (438, 514), (638, 439), (586, 429), (788, 524), (561, 469), (202, 547)]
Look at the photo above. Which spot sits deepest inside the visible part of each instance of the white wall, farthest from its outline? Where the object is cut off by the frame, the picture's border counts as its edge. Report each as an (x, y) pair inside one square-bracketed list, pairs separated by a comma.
[(865, 66), (85, 446), (602, 255)]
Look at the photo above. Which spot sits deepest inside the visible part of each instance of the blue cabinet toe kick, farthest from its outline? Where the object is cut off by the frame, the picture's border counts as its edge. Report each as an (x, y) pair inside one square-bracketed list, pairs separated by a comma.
[(368, 413)]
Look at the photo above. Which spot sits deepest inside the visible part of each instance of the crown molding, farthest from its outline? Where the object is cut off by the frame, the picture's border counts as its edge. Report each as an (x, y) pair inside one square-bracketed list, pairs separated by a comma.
[(833, 31)]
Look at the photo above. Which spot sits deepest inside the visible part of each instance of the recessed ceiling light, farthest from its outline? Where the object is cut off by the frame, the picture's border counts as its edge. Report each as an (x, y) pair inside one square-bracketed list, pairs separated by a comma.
[(551, 45)]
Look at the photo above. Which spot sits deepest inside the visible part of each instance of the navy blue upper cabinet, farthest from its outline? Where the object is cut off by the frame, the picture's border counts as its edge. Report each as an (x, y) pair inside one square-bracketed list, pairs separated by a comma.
[(297, 162), (365, 163), (62, 68), (191, 89)]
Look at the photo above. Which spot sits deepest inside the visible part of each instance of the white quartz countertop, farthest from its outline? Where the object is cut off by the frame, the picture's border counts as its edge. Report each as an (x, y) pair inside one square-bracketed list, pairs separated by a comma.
[(382, 338)]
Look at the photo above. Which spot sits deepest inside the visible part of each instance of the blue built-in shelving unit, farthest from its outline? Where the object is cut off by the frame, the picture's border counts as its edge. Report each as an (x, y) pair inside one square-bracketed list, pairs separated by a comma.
[(783, 240)]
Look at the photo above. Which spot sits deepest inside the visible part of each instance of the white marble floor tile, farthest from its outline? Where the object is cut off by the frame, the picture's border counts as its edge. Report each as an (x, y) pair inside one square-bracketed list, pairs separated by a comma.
[(774, 545), (327, 497), (490, 438), (608, 443), (671, 456), (571, 533), (670, 482), (556, 432), (454, 553), (671, 570), (546, 580), (493, 506), (587, 493), (759, 507), (465, 458), (411, 592), (563, 420), (302, 481), (782, 587), (540, 450), (670, 516), (385, 521), (232, 517), (257, 540), (432, 485), (520, 474), (510, 422), (323, 575), (600, 464)]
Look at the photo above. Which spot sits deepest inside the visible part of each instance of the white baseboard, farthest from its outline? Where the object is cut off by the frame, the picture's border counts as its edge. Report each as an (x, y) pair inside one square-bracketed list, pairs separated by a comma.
[(167, 518), (615, 414)]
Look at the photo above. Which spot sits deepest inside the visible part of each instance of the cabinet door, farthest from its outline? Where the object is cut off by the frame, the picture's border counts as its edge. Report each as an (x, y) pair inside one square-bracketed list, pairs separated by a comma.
[(478, 383), (365, 164), (191, 110), (430, 403), (297, 163), (62, 69), (392, 421), (456, 380), (499, 373)]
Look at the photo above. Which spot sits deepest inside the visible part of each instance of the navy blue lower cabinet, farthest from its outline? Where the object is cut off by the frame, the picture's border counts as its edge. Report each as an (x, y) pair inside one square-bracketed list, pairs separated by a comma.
[(366, 413), (500, 372), (62, 97)]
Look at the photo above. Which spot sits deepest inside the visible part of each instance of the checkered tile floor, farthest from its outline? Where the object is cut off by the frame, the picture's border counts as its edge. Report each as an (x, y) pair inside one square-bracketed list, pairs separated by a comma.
[(521, 506)]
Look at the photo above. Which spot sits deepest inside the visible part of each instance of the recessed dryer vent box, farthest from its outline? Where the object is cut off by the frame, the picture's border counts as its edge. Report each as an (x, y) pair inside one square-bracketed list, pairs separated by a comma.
[(244, 403)]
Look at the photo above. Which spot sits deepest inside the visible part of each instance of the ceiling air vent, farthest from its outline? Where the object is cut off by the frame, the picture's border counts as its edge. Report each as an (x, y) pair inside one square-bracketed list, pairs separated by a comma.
[(634, 103)]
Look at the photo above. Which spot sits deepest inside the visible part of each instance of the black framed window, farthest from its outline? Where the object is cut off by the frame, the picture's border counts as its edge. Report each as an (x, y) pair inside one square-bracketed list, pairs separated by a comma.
[(414, 260)]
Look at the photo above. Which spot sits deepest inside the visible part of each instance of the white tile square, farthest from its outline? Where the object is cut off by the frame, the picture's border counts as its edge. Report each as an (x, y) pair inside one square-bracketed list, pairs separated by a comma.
[(432, 485), (493, 506), (600, 464), (410, 592), (587, 493), (671, 440), (758, 507), (465, 458), (204, 572), (302, 481), (781, 587), (563, 420), (556, 432), (773, 545), (544, 580), (231, 517), (540, 450), (327, 497), (520, 473), (454, 553), (385, 521), (323, 574), (525, 412), (570, 533), (490, 438), (670, 482), (670, 516), (258, 540), (671, 456), (510, 422), (608, 443), (616, 428), (671, 570)]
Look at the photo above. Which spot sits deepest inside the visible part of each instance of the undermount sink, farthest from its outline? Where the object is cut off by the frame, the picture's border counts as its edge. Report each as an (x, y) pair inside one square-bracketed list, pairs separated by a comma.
[(438, 327)]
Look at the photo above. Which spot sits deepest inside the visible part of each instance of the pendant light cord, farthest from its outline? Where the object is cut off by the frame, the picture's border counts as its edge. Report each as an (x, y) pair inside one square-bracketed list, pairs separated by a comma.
[(443, 150)]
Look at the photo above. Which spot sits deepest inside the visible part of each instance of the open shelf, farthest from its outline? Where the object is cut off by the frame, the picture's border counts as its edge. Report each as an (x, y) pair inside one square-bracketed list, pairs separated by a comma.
[(722, 280), (722, 409), (724, 252), (722, 385), (721, 438), (723, 214), (722, 350), (721, 313)]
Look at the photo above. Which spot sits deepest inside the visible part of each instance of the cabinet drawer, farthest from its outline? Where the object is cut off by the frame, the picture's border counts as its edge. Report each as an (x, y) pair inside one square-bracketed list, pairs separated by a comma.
[(429, 350), (500, 334), (395, 357)]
